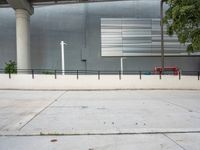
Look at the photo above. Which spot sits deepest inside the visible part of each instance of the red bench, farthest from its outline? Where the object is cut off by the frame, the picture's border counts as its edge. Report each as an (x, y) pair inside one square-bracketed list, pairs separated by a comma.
[(174, 69)]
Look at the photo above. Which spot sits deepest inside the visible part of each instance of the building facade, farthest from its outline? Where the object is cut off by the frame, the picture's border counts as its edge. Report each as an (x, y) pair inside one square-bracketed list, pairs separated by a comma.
[(80, 26)]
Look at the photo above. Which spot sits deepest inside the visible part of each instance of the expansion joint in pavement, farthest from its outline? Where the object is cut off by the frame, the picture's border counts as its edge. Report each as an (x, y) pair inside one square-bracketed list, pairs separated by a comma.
[(94, 134), (42, 110)]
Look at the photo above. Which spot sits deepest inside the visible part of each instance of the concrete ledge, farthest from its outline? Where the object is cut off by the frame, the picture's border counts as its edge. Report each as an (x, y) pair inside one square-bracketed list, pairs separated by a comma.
[(91, 82)]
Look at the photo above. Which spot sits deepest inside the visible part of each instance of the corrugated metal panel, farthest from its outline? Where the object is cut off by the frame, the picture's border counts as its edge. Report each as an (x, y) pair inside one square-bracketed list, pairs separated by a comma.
[(135, 36)]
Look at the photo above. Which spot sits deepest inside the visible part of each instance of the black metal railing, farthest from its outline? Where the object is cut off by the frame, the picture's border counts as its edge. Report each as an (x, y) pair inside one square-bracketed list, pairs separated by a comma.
[(99, 73)]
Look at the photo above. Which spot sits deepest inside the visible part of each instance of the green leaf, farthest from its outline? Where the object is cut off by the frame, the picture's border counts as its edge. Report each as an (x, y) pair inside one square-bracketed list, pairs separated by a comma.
[(185, 16)]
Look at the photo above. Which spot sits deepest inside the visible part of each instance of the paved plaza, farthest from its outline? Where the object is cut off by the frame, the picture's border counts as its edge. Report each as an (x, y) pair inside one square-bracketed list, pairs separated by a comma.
[(100, 120)]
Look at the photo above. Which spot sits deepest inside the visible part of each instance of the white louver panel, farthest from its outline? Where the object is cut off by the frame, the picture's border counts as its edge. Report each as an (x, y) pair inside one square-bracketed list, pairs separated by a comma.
[(136, 37)]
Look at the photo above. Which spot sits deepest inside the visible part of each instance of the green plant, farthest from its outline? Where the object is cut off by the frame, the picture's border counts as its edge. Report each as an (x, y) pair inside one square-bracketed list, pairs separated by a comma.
[(183, 18), (47, 72), (11, 67)]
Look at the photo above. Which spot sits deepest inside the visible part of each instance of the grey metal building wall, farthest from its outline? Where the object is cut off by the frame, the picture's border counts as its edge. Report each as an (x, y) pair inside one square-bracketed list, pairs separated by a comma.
[(79, 26)]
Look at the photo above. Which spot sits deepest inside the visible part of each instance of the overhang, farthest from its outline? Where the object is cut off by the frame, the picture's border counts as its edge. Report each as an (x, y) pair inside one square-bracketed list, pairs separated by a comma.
[(4, 3)]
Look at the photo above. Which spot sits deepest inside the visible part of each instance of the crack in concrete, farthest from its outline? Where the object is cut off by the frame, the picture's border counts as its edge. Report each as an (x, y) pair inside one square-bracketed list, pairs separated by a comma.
[(42, 110), (180, 106), (174, 142)]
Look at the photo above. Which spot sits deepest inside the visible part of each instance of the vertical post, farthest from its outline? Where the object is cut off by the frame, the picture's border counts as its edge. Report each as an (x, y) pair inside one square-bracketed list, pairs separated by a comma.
[(179, 74), (140, 75), (55, 74), (198, 75), (77, 74), (160, 75), (62, 43), (121, 64), (120, 75), (9, 74), (162, 35), (98, 75), (32, 71)]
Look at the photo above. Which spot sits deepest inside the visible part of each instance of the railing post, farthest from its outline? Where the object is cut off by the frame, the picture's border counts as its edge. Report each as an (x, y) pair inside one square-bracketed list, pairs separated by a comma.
[(198, 75), (9, 74), (120, 75), (32, 71), (140, 75), (179, 74), (160, 75), (98, 75), (77, 74), (55, 74)]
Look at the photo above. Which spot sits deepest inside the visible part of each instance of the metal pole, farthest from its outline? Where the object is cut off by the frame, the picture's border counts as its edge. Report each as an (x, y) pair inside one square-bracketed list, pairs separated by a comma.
[(120, 73), (162, 35), (32, 71), (121, 64), (98, 75), (77, 74), (62, 57), (55, 74), (9, 74)]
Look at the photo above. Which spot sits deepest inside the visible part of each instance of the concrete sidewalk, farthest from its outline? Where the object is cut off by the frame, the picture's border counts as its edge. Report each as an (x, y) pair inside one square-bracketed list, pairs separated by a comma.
[(100, 120)]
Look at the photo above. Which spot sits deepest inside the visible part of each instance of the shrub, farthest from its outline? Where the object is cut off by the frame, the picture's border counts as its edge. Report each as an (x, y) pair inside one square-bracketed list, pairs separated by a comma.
[(47, 72), (10, 67)]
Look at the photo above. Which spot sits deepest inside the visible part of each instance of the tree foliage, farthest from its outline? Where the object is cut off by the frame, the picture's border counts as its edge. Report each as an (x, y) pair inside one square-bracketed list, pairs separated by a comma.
[(183, 19)]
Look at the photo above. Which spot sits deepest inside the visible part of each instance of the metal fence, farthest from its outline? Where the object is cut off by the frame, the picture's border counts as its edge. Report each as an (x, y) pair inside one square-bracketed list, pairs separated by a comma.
[(98, 73)]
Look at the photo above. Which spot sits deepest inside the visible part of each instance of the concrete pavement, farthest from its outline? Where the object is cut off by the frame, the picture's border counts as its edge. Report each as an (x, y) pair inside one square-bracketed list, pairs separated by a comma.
[(97, 142), (93, 120)]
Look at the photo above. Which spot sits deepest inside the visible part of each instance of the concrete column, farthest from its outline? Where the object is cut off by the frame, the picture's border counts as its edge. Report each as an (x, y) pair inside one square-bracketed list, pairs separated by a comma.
[(23, 39)]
